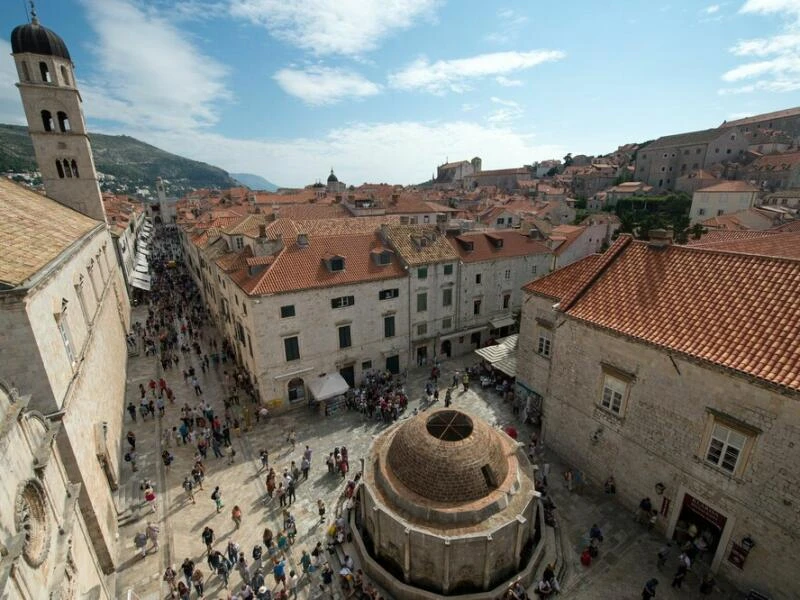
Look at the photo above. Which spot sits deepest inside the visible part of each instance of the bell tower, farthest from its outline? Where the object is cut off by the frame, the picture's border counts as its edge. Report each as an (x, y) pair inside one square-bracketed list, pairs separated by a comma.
[(53, 109)]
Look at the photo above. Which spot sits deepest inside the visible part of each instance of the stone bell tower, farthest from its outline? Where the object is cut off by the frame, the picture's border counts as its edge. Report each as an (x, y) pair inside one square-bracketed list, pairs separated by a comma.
[(53, 109)]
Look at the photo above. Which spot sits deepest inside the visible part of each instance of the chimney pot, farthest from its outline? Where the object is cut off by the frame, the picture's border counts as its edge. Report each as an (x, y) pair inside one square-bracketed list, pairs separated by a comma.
[(262, 231), (659, 238)]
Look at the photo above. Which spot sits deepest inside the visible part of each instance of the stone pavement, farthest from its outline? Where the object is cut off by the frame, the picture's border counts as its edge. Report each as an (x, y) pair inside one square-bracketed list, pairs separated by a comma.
[(627, 557)]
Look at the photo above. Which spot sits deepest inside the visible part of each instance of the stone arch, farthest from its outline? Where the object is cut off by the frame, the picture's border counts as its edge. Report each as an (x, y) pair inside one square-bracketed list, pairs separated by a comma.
[(47, 120), (60, 169), (32, 521), (63, 121), (67, 168), (74, 166), (296, 389), (44, 70), (65, 75), (37, 429)]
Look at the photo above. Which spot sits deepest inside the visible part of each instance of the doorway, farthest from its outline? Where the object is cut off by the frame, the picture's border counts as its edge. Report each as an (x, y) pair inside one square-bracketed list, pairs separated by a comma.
[(447, 348), (393, 364), (422, 356), (475, 339), (349, 375), (700, 527)]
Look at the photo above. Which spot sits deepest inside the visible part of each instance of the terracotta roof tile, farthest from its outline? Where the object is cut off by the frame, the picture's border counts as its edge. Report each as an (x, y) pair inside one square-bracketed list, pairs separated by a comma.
[(712, 236), (408, 241), (566, 280), (485, 245), (770, 243), (730, 186), (34, 230), (737, 311)]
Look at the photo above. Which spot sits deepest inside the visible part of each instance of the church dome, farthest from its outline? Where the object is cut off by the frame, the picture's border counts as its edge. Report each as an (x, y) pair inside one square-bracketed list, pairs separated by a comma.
[(447, 456), (332, 178), (34, 38)]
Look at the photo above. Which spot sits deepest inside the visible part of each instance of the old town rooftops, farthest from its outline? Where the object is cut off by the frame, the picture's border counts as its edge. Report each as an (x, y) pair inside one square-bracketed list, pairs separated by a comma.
[(491, 245), (735, 310), (34, 230), (419, 245)]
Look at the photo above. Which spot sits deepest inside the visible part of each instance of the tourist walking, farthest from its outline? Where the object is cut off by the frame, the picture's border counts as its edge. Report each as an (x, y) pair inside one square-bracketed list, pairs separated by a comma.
[(321, 510), (216, 496), (152, 531), (140, 542), (236, 516), (208, 538), (198, 580), (649, 590)]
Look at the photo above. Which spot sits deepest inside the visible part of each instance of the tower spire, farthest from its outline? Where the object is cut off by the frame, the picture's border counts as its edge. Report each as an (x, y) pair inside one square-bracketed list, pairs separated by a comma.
[(34, 16)]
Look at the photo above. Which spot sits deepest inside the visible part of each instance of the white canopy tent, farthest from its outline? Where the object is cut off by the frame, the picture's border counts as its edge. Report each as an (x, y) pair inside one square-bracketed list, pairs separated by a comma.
[(502, 355), (327, 386)]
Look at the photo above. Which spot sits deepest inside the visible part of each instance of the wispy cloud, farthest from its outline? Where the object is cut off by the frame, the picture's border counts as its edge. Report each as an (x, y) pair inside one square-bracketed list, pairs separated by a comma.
[(713, 9), (456, 75), (772, 63), (165, 82), (510, 24), (402, 151), (505, 112), (506, 82), (347, 27), (320, 85)]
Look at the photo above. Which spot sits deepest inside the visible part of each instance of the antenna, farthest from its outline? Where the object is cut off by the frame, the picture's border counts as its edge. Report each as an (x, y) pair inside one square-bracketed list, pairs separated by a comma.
[(34, 17)]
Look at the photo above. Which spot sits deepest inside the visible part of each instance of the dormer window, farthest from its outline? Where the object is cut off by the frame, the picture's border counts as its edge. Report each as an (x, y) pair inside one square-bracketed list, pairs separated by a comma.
[(335, 263)]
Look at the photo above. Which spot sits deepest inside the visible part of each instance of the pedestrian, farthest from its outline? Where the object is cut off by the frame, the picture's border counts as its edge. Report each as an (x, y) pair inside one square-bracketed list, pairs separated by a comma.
[(236, 516), (208, 538), (241, 566), (271, 483), (291, 585), (290, 492), (707, 584), (279, 571), (465, 381), (223, 569), (231, 454), (680, 575), (321, 510), (281, 493), (292, 438), (331, 462), (150, 497), (307, 454), (305, 466), (448, 396), (233, 552), (196, 385), (649, 590), (152, 532), (140, 542), (184, 592), (167, 459), (132, 410), (169, 578), (216, 496), (188, 568), (645, 508), (131, 458), (131, 437), (198, 581), (188, 487), (264, 456), (663, 554)]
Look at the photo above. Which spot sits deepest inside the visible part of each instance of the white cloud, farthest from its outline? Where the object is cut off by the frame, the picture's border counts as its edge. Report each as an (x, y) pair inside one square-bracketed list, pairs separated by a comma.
[(467, 106), (510, 25), (507, 111), (333, 26), (506, 82), (456, 75), (149, 73), (710, 10), (10, 103), (401, 152), (319, 85), (772, 63)]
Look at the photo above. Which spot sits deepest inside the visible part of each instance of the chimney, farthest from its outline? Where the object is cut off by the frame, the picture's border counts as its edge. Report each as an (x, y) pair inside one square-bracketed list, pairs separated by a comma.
[(660, 238), (302, 240), (262, 231)]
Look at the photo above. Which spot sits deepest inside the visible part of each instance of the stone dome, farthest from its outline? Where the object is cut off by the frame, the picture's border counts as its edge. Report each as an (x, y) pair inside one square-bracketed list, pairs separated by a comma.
[(447, 456), (332, 178), (34, 38)]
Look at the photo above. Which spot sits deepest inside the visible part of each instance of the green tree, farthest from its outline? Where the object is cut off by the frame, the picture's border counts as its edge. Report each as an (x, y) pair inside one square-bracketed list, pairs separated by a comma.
[(568, 159)]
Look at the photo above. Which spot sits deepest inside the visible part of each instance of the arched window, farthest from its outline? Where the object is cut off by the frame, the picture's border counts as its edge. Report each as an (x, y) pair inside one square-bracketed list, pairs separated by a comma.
[(26, 74), (297, 390), (74, 166), (67, 169), (63, 121), (45, 72), (64, 75), (47, 120), (60, 169)]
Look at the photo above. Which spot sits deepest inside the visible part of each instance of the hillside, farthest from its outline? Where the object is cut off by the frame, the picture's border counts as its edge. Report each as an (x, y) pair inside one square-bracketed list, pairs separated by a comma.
[(255, 182), (132, 163)]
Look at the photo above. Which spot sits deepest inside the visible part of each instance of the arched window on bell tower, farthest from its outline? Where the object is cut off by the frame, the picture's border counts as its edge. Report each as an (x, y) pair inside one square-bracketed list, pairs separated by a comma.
[(63, 121), (74, 166), (45, 71), (26, 74), (47, 120), (67, 168), (65, 75), (60, 169)]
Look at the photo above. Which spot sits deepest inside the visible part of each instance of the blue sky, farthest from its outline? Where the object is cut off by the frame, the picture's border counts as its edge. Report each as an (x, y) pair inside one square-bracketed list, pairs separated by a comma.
[(384, 90)]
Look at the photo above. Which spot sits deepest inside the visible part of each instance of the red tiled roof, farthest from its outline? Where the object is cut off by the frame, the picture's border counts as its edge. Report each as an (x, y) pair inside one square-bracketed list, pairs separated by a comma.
[(790, 226), (730, 186), (565, 281), (712, 236), (296, 268), (778, 114), (776, 161), (737, 311), (514, 244), (771, 243)]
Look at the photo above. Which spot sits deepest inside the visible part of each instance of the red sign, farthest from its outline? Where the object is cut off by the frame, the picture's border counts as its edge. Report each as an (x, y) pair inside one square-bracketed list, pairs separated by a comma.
[(705, 511), (737, 556)]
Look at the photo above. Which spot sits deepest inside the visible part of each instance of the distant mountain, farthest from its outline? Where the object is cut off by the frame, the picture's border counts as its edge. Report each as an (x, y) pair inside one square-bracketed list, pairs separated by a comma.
[(254, 182), (132, 163)]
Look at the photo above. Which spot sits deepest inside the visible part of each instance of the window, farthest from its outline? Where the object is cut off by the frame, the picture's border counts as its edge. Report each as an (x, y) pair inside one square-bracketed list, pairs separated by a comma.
[(297, 390), (45, 72), (250, 345), (507, 274), (287, 311), (448, 269), (343, 302), (447, 323), (506, 300), (422, 273), (545, 343), (725, 447), (701, 211), (74, 166), (67, 168), (533, 269), (388, 294), (698, 151), (366, 365), (291, 347), (477, 279), (64, 75), (500, 221), (447, 297), (422, 329), (476, 307), (337, 264), (47, 121), (66, 336), (388, 326), (60, 169), (63, 121), (244, 308), (422, 302), (720, 212), (239, 242), (26, 74), (344, 337), (614, 392)]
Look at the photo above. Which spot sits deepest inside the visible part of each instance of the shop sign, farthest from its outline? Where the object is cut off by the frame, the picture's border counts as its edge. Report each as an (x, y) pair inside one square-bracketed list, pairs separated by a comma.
[(705, 511), (737, 556)]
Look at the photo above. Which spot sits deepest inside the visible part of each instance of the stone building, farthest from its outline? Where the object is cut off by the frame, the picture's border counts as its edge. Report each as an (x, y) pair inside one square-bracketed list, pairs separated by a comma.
[(46, 544), (447, 507), (722, 198), (455, 172), (677, 371), (787, 121), (663, 161)]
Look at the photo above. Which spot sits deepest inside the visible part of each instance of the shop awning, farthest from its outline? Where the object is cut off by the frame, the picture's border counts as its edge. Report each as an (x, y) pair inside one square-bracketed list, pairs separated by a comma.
[(139, 281), (143, 250), (140, 269), (328, 386), (450, 336), (504, 351), (504, 321)]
